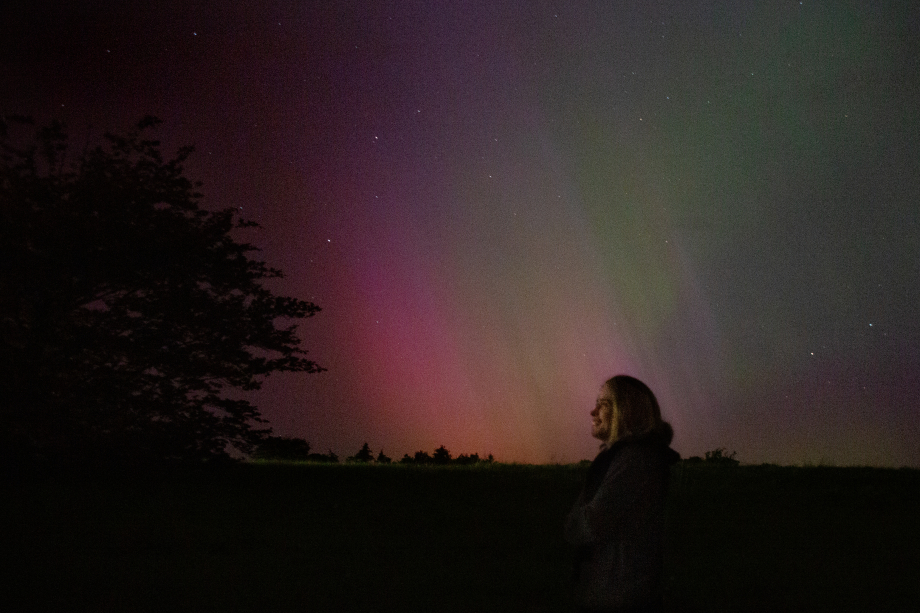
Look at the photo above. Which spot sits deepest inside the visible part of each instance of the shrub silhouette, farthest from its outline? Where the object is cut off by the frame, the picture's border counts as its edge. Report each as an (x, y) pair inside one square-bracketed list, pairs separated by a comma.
[(716, 456), (465, 460), (323, 457), (382, 459), (280, 448), (441, 455)]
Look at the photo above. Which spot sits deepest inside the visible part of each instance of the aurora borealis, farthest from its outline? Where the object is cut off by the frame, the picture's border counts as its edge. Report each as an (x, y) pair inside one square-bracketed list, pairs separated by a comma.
[(498, 205)]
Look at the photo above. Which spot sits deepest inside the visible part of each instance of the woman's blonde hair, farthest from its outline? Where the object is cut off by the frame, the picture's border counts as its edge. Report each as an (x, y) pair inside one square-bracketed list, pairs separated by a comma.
[(635, 408)]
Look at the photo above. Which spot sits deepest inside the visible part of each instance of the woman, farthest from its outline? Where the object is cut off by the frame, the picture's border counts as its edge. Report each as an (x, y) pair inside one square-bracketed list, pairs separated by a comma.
[(617, 523)]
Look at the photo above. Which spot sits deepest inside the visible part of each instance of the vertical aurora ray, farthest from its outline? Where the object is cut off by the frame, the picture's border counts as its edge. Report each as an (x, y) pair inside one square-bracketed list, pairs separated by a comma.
[(499, 302)]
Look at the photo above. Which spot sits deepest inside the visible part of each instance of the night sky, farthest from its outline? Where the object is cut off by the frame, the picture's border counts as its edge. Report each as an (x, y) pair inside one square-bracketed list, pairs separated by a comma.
[(498, 205)]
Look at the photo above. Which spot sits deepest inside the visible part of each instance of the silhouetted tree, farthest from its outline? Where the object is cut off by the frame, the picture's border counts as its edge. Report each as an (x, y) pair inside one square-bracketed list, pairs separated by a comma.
[(718, 456), (407, 459), (279, 448), (422, 457), (465, 460), (382, 459), (441, 455), (126, 310), (364, 455), (323, 457)]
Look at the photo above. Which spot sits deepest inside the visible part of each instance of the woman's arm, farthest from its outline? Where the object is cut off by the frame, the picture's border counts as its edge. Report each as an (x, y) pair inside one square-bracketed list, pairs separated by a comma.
[(626, 486)]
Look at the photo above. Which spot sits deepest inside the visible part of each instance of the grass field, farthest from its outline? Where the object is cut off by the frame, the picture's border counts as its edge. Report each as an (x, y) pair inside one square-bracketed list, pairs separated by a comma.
[(276, 537)]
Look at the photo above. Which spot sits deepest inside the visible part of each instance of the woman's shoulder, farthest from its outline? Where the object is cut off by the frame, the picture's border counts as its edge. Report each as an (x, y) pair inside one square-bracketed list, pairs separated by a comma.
[(651, 445), (660, 435)]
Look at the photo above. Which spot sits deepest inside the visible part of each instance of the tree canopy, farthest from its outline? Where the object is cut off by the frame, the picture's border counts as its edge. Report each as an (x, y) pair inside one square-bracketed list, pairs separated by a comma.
[(127, 311)]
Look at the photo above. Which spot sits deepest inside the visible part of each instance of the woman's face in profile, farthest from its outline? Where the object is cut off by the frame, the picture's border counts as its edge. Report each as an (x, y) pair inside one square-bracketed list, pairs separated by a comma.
[(602, 415)]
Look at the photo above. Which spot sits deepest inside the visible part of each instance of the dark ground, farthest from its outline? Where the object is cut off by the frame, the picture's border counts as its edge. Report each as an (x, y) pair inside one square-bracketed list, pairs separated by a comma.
[(275, 537)]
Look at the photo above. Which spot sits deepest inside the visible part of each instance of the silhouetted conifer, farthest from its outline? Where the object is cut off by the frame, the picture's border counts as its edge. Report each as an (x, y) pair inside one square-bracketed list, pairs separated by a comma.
[(382, 459), (422, 457), (364, 455)]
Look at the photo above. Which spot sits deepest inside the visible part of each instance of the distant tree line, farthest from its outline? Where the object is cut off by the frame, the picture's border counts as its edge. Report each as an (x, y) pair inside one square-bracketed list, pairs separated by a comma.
[(443, 457), (299, 450), (290, 450)]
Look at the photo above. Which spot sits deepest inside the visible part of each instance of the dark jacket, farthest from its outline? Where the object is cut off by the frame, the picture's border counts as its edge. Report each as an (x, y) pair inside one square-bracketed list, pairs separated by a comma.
[(617, 523)]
